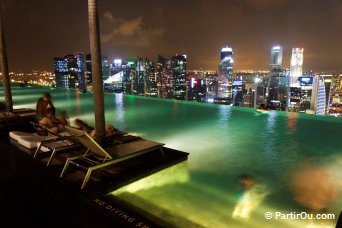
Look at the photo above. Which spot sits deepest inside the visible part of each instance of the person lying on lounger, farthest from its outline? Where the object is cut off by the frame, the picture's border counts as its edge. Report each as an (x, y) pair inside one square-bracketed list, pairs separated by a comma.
[(83, 126), (109, 129), (63, 120)]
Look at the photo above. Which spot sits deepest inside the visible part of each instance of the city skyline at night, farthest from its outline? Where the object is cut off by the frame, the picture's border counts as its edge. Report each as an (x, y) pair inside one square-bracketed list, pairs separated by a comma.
[(198, 28)]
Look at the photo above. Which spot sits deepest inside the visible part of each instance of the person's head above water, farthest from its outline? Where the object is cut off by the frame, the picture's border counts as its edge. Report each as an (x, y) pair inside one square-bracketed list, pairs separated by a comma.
[(246, 181)]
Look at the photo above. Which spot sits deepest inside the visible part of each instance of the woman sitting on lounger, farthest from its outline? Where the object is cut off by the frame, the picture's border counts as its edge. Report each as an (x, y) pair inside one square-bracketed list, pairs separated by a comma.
[(48, 121)]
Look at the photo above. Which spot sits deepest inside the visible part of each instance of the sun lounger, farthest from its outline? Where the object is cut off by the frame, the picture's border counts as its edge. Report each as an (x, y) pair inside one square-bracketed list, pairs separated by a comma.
[(63, 141), (30, 139), (16, 135), (31, 142), (96, 157)]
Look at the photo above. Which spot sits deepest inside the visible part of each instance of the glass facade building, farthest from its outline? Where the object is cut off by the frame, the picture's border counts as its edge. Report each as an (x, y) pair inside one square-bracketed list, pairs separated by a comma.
[(144, 70), (61, 72), (164, 77), (225, 76), (179, 75), (278, 81), (76, 69), (70, 71)]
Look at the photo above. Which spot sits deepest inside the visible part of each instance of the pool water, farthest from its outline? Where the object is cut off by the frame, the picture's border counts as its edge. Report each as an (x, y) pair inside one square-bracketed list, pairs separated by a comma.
[(224, 143)]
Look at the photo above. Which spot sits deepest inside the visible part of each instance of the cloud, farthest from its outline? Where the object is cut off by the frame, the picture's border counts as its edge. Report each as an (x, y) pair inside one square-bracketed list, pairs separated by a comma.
[(108, 16), (133, 32), (129, 28)]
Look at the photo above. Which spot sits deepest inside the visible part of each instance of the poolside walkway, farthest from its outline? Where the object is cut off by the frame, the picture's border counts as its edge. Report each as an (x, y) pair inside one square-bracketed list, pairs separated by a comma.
[(33, 195)]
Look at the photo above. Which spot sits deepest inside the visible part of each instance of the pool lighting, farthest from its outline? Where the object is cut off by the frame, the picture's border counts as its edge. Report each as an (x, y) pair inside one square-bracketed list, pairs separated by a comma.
[(175, 174)]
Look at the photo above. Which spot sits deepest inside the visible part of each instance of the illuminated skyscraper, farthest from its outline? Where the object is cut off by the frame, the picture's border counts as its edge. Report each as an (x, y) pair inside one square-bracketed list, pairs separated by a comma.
[(88, 71), (116, 66), (178, 67), (105, 69), (277, 81), (306, 86), (76, 71), (164, 77), (296, 69), (113, 75), (128, 76), (151, 88), (211, 85), (318, 98), (197, 86), (225, 79), (61, 72), (144, 70), (277, 57)]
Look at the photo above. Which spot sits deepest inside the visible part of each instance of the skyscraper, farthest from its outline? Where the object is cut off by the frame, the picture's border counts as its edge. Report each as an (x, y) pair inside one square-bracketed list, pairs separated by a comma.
[(306, 85), (225, 79), (105, 69), (61, 72), (144, 70), (76, 70), (211, 85), (112, 75), (151, 88), (164, 77), (88, 72), (276, 57), (197, 86), (178, 67), (69, 71), (277, 81), (128, 76), (296, 69), (318, 98)]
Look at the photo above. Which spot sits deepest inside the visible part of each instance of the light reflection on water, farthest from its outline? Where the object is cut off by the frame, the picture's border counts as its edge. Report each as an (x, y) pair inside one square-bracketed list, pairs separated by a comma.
[(119, 108), (224, 142)]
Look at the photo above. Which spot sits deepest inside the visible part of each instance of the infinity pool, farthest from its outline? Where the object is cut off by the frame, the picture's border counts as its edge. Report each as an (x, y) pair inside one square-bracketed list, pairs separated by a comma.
[(278, 150)]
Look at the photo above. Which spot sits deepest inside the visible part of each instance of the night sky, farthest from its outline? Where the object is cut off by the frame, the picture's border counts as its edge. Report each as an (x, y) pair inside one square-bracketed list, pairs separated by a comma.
[(38, 30)]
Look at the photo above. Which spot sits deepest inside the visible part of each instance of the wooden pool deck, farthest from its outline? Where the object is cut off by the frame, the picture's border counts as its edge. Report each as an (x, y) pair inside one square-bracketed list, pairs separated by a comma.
[(33, 195)]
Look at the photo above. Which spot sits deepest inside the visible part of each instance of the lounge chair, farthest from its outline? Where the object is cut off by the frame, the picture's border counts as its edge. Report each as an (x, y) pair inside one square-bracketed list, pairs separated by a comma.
[(16, 135), (32, 140), (96, 157), (18, 116), (29, 140), (63, 141)]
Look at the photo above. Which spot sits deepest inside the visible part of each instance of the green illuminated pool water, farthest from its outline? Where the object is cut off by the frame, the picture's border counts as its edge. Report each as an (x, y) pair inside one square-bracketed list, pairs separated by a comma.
[(224, 142)]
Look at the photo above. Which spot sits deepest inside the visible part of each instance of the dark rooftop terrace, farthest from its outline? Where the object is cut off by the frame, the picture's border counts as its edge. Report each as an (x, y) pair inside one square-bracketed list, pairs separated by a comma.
[(33, 195)]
